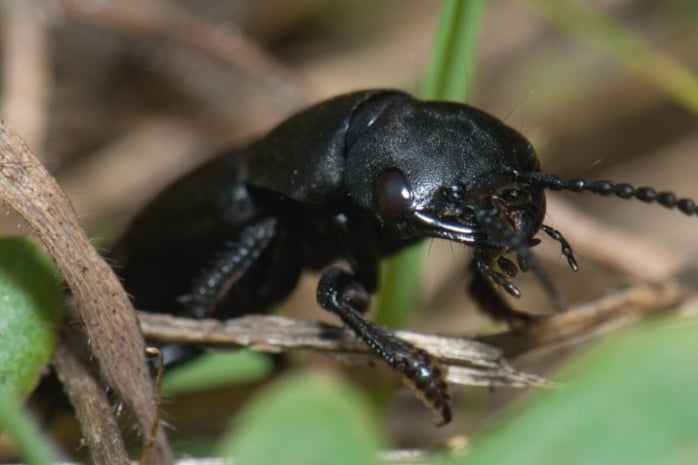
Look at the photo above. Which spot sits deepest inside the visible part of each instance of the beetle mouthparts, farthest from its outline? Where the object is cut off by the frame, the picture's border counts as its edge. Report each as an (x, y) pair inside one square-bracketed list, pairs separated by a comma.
[(437, 227)]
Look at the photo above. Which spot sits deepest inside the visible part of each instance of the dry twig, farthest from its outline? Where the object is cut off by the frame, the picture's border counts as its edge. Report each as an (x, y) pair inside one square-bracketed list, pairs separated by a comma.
[(592, 319), (153, 434), (100, 301), (468, 362), (390, 457), (26, 70), (93, 409), (162, 149), (165, 21)]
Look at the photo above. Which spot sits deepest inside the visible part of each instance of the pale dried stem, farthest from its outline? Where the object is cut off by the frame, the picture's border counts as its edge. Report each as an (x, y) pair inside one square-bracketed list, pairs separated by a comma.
[(389, 457), (597, 317), (469, 362), (93, 409), (100, 301), (26, 70)]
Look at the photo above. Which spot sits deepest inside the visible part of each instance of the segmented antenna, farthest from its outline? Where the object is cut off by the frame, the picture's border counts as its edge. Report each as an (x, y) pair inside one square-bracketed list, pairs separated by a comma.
[(622, 190), (564, 245)]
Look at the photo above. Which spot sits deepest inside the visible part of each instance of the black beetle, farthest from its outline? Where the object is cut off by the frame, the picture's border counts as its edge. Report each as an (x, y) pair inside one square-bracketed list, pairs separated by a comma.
[(357, 177)]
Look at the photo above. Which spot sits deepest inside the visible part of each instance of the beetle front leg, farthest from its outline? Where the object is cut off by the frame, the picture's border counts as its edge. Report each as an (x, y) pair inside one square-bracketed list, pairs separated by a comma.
[(342, 294), (485, 293)]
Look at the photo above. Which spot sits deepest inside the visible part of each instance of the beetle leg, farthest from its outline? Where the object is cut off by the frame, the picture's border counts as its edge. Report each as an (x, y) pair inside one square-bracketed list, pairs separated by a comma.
[(483, 266), (507, 266), (485, 294), (229, 267), (556, 296), (341, 293)]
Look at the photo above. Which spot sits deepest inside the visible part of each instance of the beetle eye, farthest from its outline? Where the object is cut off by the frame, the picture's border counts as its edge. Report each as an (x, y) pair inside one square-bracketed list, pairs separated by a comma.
[(393, 193)]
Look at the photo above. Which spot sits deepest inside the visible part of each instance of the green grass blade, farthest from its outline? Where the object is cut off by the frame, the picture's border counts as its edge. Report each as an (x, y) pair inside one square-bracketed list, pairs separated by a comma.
[(24, 434), (453, 61), (448, 78), (400, 283)]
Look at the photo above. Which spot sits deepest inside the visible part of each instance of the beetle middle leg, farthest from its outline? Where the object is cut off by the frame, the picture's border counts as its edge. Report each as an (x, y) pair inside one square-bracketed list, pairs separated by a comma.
[(229, 267), (342, 294)]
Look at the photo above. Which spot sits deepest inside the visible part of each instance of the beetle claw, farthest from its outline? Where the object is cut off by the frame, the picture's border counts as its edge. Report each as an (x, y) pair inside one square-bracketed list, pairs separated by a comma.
[(484, 267)]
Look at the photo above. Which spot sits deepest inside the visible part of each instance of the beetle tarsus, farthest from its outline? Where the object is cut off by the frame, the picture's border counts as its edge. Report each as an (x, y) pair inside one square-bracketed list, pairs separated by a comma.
[(427, 379), (493, 304), (482, 262), (340, 293)]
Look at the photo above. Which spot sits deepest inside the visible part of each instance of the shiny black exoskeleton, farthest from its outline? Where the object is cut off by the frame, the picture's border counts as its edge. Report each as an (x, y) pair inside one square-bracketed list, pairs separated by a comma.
[(357, 177)]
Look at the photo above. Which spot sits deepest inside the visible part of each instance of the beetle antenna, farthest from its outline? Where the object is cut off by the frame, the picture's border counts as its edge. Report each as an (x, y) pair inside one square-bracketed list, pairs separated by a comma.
[(566, 247), (606, 188)]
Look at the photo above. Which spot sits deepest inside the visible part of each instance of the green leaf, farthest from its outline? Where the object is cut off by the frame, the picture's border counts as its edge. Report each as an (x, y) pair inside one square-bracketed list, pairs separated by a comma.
[(214, 370), (305, 420), (631, 400), (25, 435), (31, 305)]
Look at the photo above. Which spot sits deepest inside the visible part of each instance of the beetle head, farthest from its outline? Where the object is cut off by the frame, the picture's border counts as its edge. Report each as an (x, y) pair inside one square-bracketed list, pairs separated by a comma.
[(446, 170), (438, 169)]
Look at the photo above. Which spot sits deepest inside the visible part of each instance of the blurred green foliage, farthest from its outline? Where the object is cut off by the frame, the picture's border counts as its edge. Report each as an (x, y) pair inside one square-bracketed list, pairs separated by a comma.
[(630, 400), (303, 420), (31, 304), (213, 370)]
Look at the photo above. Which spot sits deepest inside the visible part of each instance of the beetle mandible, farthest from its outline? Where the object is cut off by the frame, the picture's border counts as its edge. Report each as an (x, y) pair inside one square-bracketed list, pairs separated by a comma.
[(357, 177)]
